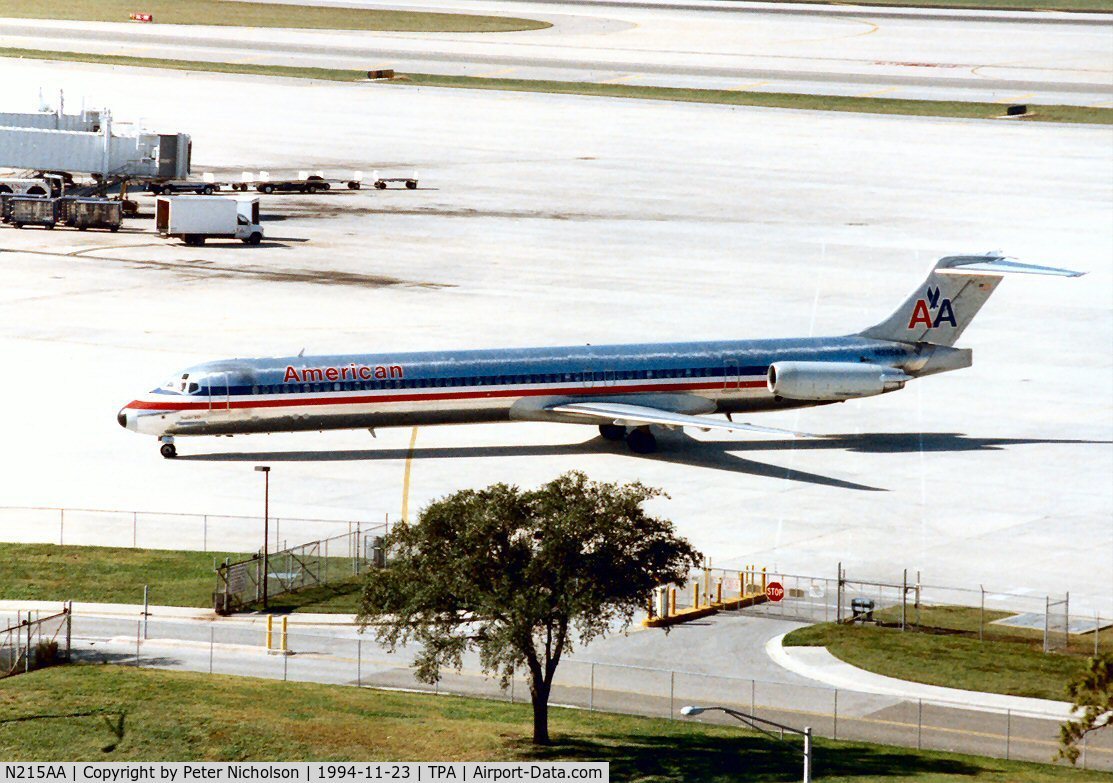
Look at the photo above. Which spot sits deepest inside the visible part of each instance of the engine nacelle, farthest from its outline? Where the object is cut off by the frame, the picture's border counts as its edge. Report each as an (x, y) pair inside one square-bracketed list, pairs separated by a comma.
[(832, 381)]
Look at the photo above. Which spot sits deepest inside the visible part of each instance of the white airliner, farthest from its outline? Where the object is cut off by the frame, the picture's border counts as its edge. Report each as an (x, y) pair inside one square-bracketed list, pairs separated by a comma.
[(624, 389)]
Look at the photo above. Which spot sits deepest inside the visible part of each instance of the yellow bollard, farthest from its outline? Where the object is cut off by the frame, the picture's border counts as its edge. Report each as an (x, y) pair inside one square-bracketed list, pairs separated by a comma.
[(763, 580), (695, 594), (719, 590), (270, 629), (284, 619), (672, 601)]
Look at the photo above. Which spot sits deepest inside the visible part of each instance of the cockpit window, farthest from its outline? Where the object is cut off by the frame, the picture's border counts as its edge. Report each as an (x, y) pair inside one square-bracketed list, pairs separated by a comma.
[(193, 387)]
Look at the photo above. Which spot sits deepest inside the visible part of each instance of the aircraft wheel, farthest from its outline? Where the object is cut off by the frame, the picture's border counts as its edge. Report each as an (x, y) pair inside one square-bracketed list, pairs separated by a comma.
[(167, 450), (612, 431), (641, 441)]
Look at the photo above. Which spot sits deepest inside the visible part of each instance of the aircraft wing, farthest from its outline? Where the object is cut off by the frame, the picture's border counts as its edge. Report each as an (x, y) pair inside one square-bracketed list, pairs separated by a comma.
[(637, 415)]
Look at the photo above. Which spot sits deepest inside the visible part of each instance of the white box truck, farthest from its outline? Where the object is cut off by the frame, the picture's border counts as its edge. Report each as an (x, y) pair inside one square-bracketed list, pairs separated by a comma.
[(193, 219)]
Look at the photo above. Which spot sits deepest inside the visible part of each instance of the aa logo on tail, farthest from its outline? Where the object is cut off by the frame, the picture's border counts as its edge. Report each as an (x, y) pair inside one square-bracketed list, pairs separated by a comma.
[(932, 303)]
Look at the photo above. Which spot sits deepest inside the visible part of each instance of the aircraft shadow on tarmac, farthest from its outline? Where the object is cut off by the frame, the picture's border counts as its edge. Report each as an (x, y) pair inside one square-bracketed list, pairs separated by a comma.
[(681, 449)]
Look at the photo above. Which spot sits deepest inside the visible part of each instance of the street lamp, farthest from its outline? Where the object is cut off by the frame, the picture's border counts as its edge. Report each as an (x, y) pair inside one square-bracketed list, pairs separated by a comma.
[(752, 721), (266, 471)]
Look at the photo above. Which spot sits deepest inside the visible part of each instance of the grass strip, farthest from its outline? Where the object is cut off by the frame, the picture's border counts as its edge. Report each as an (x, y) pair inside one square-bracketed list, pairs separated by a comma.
[(234, 13), (961, 109), (222, 718), (1014, 664), (48, 572)]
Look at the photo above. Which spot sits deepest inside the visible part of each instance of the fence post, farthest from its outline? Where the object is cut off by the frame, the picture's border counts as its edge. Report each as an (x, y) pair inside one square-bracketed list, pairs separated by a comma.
[(981, 616), (212, 632), (69, 630), (359, 663), (146, 610), (920, 724), (138, 632), (835, 717), (61, 526), (672, 692), (807, 754), (204, 532), (1046, 623), (591, 693), (27, 657), (753, 697), (1008, 732), (838, 606), (903, 596), (1066, 622)]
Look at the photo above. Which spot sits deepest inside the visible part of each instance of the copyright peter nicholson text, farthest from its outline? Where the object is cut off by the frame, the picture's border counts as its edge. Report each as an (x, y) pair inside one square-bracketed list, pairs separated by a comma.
[(229, 772)]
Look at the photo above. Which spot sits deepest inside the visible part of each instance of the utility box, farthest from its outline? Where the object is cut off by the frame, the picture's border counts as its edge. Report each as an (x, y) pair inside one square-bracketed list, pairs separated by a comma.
[(85, 213), (193, 219), (32, 211)]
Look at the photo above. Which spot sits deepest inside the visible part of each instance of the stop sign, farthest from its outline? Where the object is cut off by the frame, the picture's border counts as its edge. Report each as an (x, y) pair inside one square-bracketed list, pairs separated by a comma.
[(774, 592)]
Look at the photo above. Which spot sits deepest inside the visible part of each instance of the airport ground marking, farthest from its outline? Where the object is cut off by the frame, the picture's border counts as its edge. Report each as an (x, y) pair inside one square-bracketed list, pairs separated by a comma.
[(406, 476), (774, 100)]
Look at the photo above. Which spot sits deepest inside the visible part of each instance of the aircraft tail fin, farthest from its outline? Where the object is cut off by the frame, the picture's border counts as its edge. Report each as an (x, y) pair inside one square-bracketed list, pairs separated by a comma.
[(944, 305)]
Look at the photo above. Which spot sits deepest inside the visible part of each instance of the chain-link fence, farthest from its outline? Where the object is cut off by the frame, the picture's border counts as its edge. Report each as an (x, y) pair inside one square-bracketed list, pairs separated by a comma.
[(34, 641), (159, 530), (347, 658), (289, 570), (1040, 621)]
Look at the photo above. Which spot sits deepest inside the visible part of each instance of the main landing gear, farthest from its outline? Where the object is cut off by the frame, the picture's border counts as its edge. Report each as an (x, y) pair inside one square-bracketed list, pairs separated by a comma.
[(639, 439), (167, 448)]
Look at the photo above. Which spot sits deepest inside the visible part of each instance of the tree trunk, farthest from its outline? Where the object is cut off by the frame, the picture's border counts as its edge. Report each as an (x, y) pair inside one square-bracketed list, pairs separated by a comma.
[(539, 695)]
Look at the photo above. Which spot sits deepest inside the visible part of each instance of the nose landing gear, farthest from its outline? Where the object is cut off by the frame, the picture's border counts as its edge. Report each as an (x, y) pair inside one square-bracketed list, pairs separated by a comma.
[(167, 448)]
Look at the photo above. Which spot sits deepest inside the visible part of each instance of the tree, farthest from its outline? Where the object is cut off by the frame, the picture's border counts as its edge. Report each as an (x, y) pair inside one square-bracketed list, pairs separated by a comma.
[(1091, 692), (520, 576)]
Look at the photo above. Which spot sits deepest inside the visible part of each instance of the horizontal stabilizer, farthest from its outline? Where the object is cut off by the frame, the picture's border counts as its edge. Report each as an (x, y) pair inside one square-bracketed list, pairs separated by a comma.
[(638, 415), (998, 265)]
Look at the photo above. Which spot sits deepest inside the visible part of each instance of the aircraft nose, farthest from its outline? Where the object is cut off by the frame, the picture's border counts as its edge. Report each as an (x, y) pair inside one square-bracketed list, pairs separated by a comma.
[(122, 417)]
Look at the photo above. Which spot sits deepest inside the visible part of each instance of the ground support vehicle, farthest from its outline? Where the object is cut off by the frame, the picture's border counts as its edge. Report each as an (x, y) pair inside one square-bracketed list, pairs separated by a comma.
[(195, 219), (184, 186), (86, 213), (32, 211), (409, 182)]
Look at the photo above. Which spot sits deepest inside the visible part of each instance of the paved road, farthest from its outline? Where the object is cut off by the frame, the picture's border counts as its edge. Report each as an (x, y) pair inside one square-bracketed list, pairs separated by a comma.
[(719, 661), (906, 53)]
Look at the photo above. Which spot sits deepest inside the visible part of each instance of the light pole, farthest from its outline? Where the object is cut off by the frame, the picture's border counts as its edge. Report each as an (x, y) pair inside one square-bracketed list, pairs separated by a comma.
[(266, 471), (752, 721)]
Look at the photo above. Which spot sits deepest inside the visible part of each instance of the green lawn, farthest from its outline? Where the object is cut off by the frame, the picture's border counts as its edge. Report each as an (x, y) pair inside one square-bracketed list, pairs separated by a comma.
[(49, 572), (232, 13), (1017, 667), (217, 718), (337, 597), (960, 109)]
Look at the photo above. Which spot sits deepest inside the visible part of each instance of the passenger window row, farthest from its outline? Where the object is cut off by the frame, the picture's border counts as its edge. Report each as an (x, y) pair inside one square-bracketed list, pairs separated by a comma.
[(599, 377)]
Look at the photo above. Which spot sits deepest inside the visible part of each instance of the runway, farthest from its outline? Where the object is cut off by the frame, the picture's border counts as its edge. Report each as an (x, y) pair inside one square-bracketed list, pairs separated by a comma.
[(898, 53)]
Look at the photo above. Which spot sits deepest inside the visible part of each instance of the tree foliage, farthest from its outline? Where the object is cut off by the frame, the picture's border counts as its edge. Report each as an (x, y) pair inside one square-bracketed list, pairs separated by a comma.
[(1091, 692), (520, 577)]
